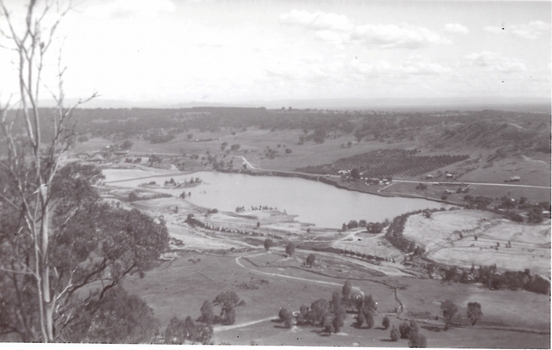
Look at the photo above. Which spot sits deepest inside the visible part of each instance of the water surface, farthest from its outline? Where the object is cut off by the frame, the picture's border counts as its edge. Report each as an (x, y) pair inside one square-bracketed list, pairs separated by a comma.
[(313, 202)]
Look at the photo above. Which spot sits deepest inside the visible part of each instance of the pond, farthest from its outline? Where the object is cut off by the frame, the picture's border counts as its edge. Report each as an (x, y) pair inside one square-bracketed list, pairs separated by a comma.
[(313, 202)]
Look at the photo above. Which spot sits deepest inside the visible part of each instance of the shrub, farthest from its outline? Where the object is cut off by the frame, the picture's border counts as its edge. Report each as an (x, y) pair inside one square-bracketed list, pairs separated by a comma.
[(268, 243), (207, 314), (449, 312), (404, 330), (385, 323), (310, 260), (286, 316), (417, 340), (290, 249), (474, 312), (394, 333), (337, 322), (132, 196)]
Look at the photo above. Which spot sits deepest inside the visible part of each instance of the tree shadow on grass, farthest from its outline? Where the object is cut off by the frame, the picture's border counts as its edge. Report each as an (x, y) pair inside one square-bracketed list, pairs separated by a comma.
[(321, 333), (432, 328), (387, 340), (281, 327), (380, 328)]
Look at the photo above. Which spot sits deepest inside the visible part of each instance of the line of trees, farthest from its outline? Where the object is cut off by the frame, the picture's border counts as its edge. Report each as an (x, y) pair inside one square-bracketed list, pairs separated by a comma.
[(179, 331), (489, 277), (395, 230), (330, 315)]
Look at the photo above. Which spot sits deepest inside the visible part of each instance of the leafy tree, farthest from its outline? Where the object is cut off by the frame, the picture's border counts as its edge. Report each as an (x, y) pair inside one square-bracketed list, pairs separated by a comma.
[(450, 310), (338, 322), (268, 243), (366, 308), (385, 323), (474, 312), (92, 246), (154, 159), (352, 224), (318, 311), (230, 317), (404, 330), (132, 196), (328, 324), (82, 138), (336, 304), (355, 173), (228, 301), (235, 147), (346, 292), (207, 313), (369, 319), (289, 150), (394, 335), (189, 136), (360, 319), (413, 327), (310, 259), (290, 249), (286, 316), (417, 340), (178, 331), (117, 318), (175, 332), (303, 316), (126, 145)]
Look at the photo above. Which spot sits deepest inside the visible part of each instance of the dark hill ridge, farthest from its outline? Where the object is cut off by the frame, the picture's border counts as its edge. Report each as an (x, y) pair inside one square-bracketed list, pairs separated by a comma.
[(512, 132), (387, 162)]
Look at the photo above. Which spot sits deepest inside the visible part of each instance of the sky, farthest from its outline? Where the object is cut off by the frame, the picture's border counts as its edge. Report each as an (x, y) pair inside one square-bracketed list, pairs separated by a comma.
[(177, 51)]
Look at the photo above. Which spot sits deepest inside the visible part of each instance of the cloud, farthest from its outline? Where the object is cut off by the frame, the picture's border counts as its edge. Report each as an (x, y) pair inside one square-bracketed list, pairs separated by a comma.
[(456, 28), (330, 36), (130, 8), (317, 20), (339, 29), (410, 67), (530, 31), (392, 36), (495, 62)]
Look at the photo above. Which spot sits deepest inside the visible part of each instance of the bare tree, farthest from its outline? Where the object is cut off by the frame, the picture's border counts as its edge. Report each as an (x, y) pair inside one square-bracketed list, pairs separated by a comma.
[(30, 161)]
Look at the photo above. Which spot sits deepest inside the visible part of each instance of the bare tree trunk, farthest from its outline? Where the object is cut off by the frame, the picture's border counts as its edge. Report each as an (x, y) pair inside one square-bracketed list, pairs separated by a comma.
[(36, 173)]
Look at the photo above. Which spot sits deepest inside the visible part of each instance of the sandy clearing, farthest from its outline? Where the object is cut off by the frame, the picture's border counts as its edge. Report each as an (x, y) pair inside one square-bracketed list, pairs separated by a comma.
[(129, 174), (368, 243)]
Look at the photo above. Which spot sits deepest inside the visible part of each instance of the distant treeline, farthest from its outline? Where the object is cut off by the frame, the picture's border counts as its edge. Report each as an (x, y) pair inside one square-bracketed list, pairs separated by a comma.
[(506, 130)]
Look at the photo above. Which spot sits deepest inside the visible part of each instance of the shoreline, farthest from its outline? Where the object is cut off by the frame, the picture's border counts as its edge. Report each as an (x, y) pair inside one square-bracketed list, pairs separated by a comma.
[(325, 180)]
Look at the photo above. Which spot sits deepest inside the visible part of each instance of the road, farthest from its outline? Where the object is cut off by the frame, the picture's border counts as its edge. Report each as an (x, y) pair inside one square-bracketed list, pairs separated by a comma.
[(478, 184)]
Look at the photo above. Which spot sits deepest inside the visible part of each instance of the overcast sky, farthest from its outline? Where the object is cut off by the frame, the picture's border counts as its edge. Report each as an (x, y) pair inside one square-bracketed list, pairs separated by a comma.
[(236, 51)]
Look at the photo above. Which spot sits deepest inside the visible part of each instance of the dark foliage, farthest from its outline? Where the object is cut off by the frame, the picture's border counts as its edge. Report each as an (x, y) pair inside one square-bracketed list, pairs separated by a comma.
[(474, 312)]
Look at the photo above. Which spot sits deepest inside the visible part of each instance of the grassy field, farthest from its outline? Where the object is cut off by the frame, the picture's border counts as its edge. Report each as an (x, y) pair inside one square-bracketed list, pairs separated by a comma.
[(449, 237), (178, 288)]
